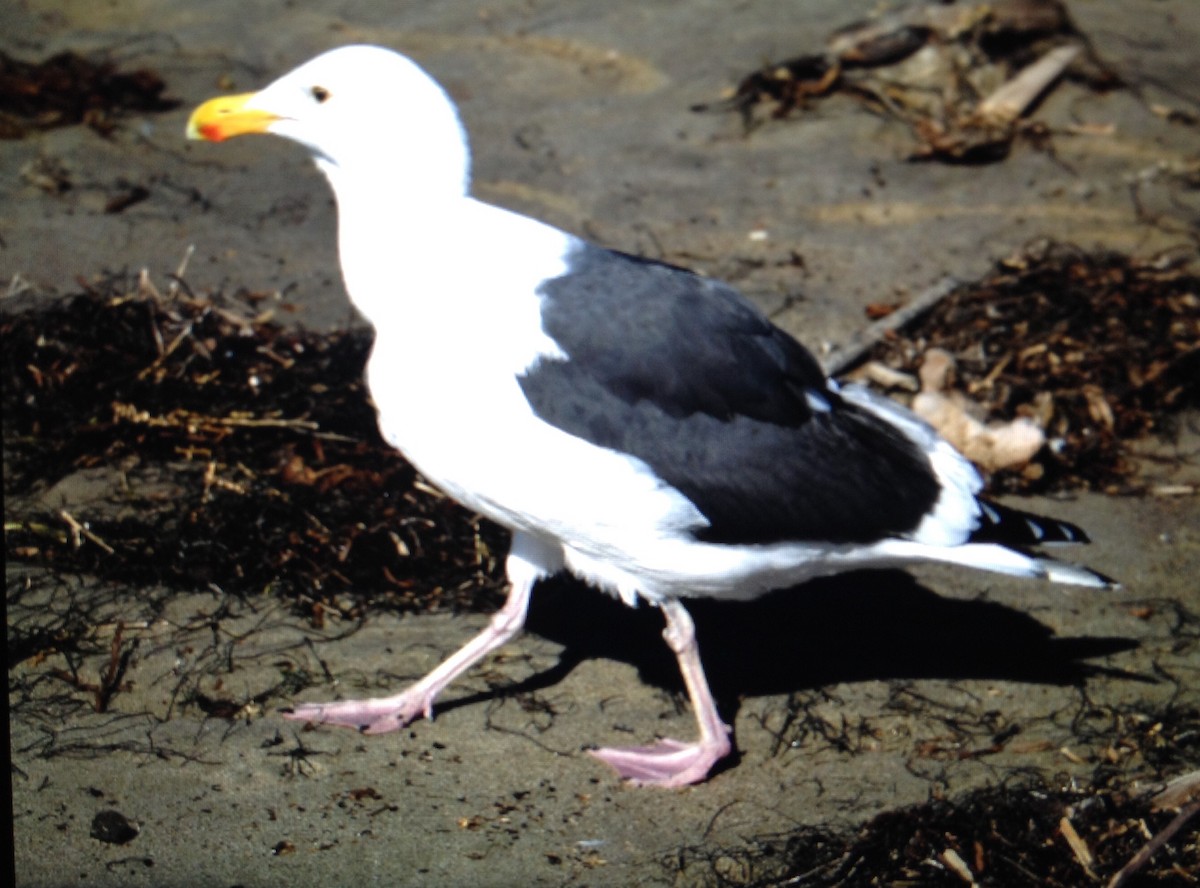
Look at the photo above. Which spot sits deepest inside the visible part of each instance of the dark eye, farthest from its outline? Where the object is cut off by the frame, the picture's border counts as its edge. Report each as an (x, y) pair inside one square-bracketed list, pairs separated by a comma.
[(320, 93)]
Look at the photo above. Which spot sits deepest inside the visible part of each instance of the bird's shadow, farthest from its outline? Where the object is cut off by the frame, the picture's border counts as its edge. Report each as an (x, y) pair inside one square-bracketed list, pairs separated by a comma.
[(859, 626)]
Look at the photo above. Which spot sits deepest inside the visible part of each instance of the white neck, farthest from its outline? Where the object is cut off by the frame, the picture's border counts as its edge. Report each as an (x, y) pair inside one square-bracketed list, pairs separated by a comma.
[(397, 210)]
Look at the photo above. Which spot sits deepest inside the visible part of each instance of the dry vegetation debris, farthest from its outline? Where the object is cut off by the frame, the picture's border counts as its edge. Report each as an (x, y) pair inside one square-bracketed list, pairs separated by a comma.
[(1099, 349), (69, 88), (235, 453), (961, 75)]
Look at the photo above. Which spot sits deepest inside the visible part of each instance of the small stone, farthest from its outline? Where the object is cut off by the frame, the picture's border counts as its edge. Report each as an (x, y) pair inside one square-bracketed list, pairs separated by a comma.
[(114, 828)]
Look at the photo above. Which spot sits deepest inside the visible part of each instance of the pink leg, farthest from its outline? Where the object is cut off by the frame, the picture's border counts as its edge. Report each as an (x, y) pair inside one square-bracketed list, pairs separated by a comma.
[(384, 714), (670, 762)]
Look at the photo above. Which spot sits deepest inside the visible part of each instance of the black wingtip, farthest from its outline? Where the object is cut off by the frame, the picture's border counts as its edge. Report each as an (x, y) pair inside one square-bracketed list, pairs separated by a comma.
[(1014, 527)]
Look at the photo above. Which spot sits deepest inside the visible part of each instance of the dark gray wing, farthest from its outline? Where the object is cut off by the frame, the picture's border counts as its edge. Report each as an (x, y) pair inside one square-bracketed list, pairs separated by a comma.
[(687, 375)]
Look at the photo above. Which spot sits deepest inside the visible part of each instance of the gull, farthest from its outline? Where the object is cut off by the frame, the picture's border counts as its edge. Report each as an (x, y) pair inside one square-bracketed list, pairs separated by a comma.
[(635, 424)]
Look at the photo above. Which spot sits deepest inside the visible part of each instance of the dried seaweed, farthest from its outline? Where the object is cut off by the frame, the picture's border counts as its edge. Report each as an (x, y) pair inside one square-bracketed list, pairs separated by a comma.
[(959, 75), (1100, 348), (68, 88), (1029, 831), (232, 452)]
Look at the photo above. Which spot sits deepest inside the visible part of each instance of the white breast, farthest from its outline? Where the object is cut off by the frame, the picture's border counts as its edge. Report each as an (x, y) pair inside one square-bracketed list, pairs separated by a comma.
[(457, 321)]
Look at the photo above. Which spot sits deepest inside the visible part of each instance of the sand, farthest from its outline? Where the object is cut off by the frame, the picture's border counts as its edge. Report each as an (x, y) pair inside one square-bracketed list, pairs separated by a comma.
[(579, 114)]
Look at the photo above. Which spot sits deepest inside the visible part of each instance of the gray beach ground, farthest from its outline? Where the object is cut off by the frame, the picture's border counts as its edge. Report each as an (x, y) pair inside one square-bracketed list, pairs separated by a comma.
[(578, 114)]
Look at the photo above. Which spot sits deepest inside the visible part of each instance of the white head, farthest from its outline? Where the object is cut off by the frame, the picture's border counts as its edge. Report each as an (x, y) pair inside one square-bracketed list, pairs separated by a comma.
[(363, 111)]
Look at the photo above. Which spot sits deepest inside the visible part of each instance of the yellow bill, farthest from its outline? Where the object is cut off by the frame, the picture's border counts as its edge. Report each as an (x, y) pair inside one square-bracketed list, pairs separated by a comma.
[(227, 116)]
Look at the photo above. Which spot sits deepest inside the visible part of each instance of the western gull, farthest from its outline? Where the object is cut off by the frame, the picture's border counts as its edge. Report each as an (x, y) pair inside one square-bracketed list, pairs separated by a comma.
[(640, 426)]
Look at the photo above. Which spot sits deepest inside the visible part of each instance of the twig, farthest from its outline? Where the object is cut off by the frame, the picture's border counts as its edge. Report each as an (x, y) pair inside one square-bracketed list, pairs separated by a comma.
[(187, 419), (1173, 490), (1142, 857), (110, 678), (1078, 846), (177, 279), (1009, 102), (1179, 791), (953, 860), (16, 286), (78, 530), (145, 287), (840, 359)]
